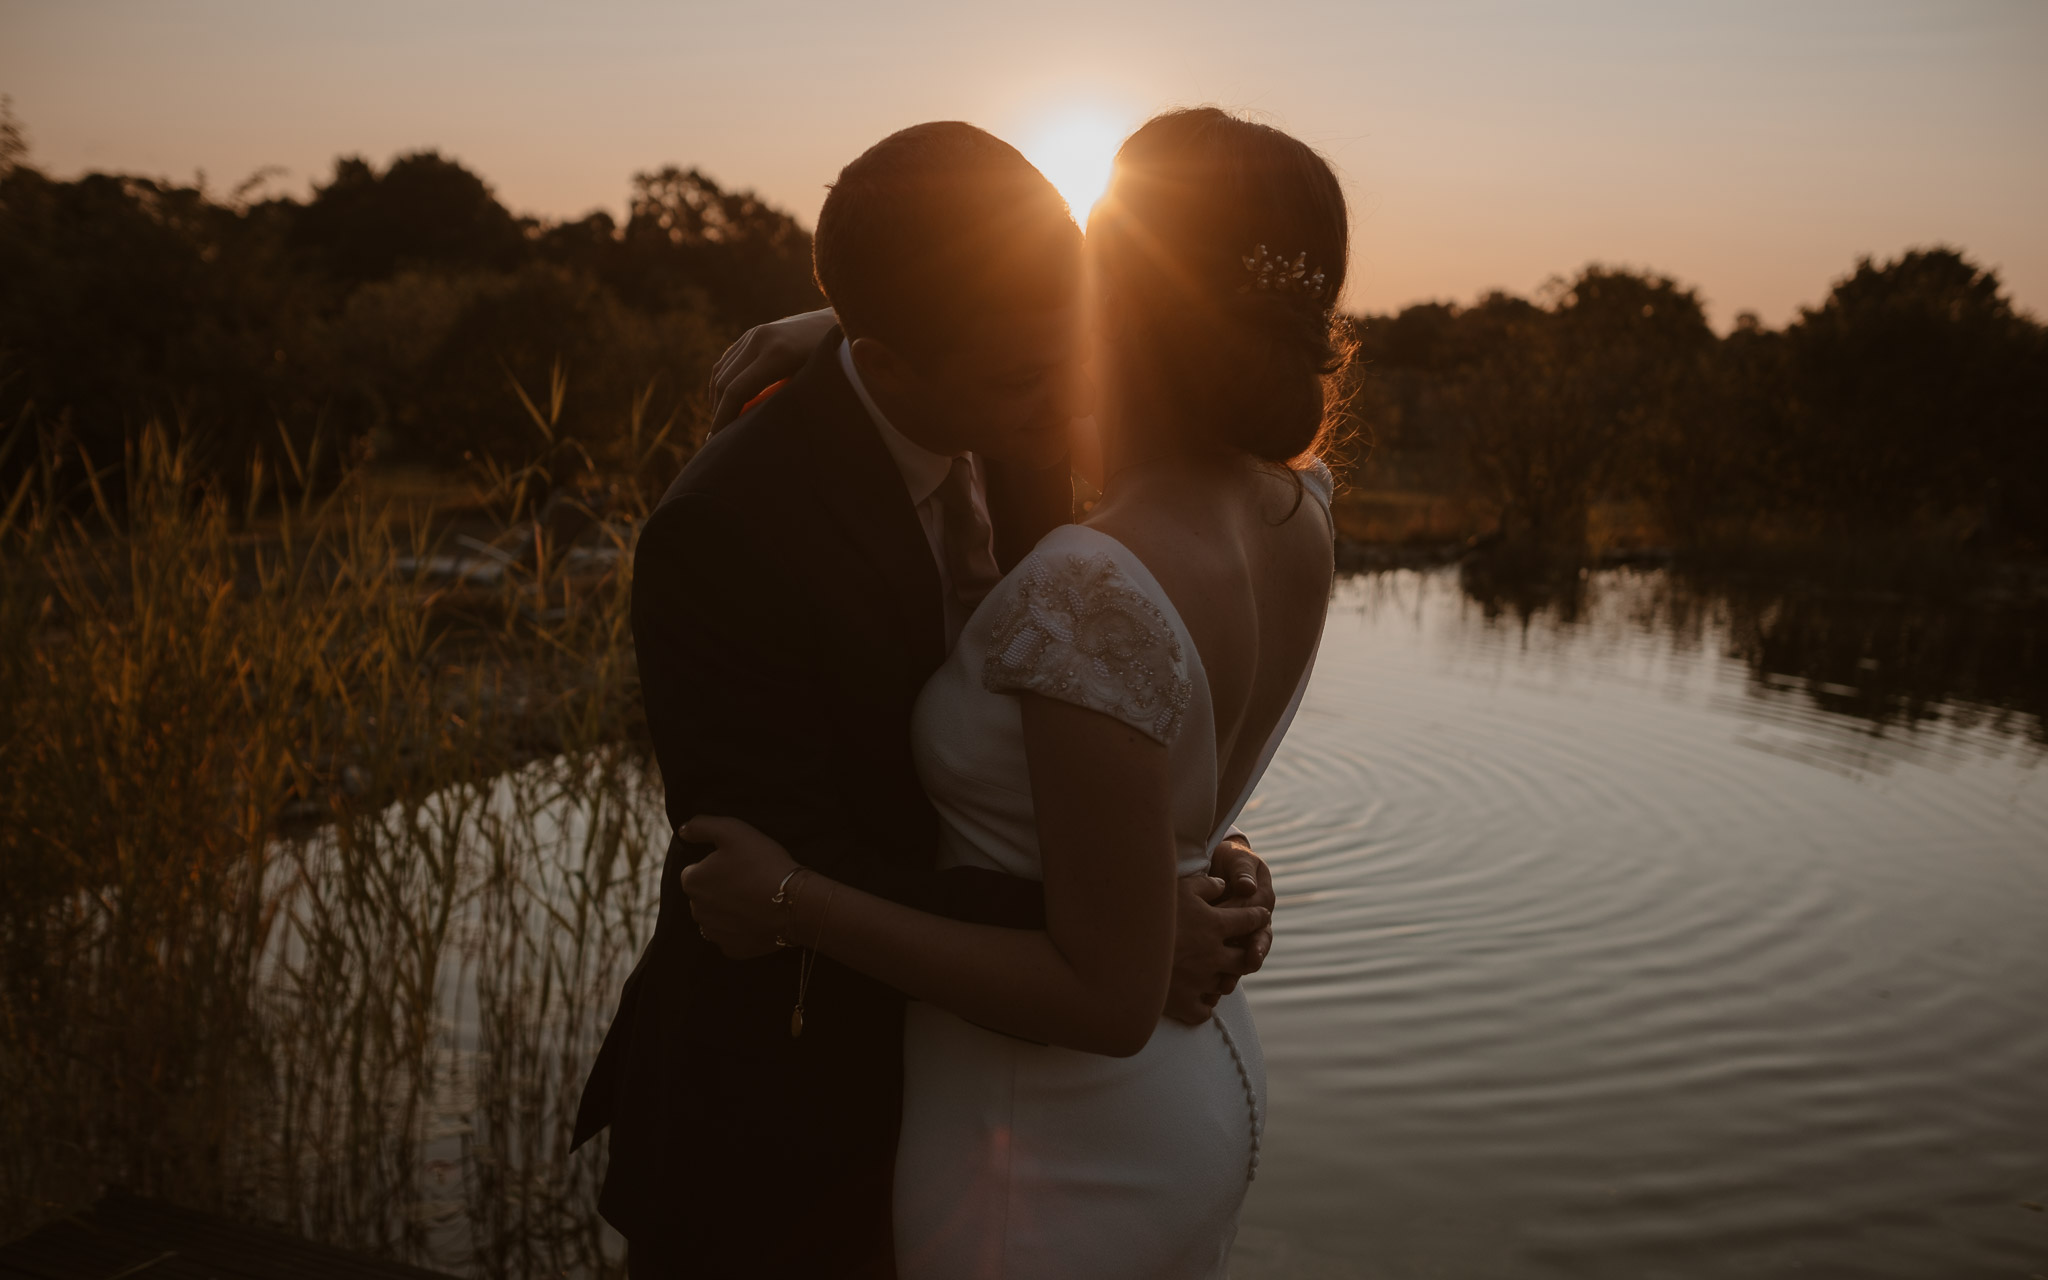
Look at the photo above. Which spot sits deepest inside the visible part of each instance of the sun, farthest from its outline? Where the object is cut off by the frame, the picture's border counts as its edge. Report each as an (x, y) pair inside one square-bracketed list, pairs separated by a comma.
[(1074, 151)]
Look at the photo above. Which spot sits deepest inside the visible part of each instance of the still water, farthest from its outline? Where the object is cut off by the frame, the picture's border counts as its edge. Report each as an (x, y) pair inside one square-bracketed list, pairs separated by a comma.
[(1657, 935)]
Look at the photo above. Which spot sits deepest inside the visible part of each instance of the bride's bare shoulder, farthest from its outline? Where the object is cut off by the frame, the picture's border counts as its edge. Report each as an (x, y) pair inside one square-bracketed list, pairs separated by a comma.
[(1205, 533), (1161, 524)]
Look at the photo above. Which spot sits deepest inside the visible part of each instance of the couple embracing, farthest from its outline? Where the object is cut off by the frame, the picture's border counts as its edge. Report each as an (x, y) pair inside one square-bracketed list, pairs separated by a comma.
[(944, 981)]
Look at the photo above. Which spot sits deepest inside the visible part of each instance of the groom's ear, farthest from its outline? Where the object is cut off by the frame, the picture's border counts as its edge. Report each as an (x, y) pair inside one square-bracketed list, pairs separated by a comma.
[(885, 373)]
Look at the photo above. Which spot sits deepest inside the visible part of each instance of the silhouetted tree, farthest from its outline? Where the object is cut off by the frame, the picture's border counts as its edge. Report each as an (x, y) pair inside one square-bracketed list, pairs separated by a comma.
[(1915, 398), (1736, 462), (393, 310), (587, 244), (1421, 337), (128, 299), (423, 212), (396, 308), (444, 381), (1915, 392), (13, 141), (751, 260), (1589, 397)]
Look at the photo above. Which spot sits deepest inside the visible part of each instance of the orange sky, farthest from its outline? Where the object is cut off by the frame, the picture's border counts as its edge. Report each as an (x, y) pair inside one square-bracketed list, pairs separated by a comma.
[(1751, 149)]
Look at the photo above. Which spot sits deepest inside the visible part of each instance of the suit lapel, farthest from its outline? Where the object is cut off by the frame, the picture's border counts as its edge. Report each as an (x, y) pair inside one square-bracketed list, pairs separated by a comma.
[(854, 477)]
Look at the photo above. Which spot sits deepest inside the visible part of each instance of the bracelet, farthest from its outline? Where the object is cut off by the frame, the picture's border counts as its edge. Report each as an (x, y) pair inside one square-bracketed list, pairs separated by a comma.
[(782, 897), (825, 916), (809, 963)]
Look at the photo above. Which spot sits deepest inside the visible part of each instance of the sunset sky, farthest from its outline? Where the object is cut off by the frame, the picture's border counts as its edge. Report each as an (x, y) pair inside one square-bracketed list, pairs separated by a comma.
[(1751, 149)]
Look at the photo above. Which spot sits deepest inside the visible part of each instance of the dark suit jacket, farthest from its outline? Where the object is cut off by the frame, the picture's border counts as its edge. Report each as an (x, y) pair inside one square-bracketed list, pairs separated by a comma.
[(786, 612)]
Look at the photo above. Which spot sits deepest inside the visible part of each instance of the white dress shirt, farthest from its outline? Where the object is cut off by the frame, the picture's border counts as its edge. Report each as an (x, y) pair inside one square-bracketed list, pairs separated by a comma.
[(923, 472)]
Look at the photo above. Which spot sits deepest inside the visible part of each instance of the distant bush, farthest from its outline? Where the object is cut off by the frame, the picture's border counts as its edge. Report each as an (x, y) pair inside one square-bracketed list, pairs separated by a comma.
[(1914, 400), (392, 311), (401, 312), (1916, 391), (423, 366)]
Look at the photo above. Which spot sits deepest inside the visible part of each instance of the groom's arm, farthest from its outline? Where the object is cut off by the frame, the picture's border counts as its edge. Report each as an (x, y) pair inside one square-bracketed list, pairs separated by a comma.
[(729, 689), (725, 700)]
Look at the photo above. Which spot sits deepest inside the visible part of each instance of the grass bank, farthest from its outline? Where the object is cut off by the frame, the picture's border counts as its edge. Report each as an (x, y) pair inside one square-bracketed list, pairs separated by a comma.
[(328, 839)]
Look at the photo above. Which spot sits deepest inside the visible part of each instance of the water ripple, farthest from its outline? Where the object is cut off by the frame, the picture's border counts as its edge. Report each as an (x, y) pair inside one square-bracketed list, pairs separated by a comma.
[(1594, 959)]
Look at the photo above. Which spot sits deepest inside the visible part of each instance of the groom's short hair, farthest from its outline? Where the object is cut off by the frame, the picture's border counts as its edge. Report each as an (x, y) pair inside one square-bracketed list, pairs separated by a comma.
[(935, 224)]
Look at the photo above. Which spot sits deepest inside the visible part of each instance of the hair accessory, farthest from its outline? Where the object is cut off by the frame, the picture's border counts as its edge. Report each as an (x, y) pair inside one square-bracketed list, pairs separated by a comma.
[(1277, 275)]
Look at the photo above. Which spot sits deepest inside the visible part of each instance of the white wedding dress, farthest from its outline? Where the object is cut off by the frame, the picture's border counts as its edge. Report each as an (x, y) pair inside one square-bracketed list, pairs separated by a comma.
[(1026, 1161)]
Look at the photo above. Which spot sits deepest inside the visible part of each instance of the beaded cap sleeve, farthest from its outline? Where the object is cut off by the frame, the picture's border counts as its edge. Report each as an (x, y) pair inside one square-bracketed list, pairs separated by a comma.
[(1079, 630)]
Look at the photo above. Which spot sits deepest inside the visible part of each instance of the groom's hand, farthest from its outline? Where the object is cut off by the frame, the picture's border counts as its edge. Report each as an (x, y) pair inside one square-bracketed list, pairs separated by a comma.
[(1210, 947), (1249, 882)]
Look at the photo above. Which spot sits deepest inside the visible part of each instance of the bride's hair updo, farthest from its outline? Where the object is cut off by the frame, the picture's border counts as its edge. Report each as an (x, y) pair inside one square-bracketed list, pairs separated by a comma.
[(1222, 245)]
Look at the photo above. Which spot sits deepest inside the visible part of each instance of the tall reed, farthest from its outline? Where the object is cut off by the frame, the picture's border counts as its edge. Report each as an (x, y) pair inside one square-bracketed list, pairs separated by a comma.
[(326, 847)]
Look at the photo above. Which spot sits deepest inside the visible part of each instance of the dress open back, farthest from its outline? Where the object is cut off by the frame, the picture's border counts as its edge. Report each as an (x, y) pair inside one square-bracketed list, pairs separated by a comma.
[(1020, 1160)]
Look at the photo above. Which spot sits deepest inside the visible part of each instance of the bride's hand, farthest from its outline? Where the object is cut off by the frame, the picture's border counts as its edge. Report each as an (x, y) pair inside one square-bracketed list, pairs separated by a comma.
[(732, 890), (764, 356)]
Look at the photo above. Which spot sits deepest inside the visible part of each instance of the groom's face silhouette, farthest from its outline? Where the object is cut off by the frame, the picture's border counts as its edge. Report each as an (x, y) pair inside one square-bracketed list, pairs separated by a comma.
[(1008, 385), (955, 268)]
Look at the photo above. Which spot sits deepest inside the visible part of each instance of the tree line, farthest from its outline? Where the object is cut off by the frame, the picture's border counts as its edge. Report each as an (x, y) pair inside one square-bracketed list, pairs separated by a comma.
[(1912, 401), (393, 311), (401, 312)]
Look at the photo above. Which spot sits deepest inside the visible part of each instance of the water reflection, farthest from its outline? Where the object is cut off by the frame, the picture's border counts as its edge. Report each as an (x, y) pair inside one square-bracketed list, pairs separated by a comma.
[(1655, 930), (1889, 658), (1642, 928)]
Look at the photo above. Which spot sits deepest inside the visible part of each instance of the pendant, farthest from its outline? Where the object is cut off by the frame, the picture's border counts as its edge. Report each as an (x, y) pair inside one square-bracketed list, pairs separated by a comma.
[(796, 1022)]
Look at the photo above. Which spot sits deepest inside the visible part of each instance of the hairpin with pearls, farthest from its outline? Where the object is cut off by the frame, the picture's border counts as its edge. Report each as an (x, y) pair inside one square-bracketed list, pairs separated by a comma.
[(1275, 274)]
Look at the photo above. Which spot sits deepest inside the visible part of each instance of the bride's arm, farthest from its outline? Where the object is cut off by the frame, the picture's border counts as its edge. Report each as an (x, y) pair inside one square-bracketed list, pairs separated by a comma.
[(763, 356), (1095, 979)]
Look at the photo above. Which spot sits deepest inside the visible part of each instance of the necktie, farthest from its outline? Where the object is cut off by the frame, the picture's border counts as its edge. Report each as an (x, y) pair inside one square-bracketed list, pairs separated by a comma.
[(970, 560)]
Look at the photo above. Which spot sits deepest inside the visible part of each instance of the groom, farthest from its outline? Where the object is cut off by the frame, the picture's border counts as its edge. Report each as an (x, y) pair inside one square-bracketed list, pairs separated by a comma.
[(792, 592)]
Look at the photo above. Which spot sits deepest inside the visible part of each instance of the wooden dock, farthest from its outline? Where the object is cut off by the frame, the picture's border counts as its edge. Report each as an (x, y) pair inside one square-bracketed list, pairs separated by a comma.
[(125, 1236)]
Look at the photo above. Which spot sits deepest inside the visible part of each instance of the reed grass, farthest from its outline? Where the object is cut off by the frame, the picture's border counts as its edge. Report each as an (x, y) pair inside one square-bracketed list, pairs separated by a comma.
[(325, 852)]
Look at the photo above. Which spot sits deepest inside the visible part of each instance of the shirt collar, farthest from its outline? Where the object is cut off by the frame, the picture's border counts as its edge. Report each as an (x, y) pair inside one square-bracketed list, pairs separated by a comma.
[(923, 471)]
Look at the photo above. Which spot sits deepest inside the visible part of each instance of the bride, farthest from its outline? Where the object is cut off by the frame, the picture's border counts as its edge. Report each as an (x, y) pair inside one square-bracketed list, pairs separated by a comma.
[(1106, 714)]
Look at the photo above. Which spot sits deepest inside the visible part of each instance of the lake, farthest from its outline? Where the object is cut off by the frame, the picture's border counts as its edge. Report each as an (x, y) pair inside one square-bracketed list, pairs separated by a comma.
[(1628, 928), (1657, 933)]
